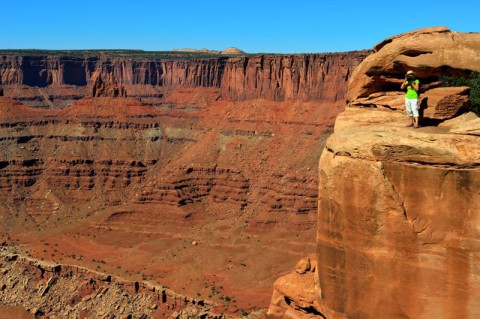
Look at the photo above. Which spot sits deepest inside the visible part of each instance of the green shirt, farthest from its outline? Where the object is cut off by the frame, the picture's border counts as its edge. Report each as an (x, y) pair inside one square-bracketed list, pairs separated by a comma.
[(411, 93)]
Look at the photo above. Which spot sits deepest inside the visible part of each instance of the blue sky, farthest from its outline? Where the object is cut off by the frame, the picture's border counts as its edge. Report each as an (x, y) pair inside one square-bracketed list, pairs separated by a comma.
[(254, 26)]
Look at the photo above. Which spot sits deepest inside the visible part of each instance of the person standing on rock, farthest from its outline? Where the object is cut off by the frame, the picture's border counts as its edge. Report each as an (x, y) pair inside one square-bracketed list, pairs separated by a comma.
[(412, 84)]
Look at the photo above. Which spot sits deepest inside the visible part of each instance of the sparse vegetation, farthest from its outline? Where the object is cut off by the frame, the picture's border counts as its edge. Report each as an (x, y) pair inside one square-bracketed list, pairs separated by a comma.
[(473, 81), (130, 54)]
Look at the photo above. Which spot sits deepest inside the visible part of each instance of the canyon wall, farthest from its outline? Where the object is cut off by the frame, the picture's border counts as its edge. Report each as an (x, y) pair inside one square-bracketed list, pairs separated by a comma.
[(316, 77), (399, 208), (42, 71), (55, 82)]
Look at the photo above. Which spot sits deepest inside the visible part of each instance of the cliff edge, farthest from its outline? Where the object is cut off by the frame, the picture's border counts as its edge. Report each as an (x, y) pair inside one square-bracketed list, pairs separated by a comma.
[(399, 208)]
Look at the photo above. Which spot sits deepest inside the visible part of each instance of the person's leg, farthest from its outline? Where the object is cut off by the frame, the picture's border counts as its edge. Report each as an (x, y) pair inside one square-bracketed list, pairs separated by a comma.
[(414, 110), (408, 109), (415, 121)]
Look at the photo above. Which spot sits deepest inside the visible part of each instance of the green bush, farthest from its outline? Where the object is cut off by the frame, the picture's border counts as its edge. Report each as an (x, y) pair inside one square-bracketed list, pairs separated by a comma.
[(473, 81)]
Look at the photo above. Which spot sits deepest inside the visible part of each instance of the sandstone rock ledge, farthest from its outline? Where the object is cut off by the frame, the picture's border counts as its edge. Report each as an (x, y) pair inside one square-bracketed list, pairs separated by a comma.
[(399, 219)]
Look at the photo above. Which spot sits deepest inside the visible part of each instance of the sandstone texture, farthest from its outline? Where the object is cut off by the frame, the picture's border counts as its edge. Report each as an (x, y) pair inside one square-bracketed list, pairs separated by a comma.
[(399, 208), (430, 53), (299, 77), (398, 233), (109, 88)]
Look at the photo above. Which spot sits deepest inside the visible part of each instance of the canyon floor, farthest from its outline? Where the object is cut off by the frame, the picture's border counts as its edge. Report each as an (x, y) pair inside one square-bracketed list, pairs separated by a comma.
[(223, 206)]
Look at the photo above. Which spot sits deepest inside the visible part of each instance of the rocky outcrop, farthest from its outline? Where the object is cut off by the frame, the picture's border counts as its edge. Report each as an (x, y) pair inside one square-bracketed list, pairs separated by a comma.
[(294, 294), (398, 221), (408, 228), (59, 81), (430, 53), (106, 89), (49, 289), (232, 50)]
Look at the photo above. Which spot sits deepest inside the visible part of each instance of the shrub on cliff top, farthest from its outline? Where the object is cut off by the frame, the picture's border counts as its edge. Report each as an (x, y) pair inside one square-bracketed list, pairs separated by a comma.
[(473, 82)]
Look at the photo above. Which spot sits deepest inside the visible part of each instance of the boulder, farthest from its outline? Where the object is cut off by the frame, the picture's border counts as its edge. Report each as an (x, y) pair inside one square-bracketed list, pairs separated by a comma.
[(303, 266), (445, 102), (294, 297), (458, 120)]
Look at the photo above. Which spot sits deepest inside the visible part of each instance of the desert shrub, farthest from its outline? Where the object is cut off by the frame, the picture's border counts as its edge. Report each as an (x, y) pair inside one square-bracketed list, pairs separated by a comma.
[(473, 81)]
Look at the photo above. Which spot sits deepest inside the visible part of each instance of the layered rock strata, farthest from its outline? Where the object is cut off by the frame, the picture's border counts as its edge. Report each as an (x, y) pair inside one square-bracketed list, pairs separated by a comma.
[(134, 185), (219, 152), (300, 77), (58, 81), (117, 151)]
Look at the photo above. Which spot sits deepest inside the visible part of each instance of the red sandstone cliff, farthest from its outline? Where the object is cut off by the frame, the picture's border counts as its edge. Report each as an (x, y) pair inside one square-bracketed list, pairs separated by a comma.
[(317, 77), (60, 80), (398, 220), (42, 71)]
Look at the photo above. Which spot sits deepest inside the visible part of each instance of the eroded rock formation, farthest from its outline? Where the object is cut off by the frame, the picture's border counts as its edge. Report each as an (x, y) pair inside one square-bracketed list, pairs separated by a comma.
[(300, 77), (399, 208), (109, 88), (59, 81), (49, 289), (430, 53)]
